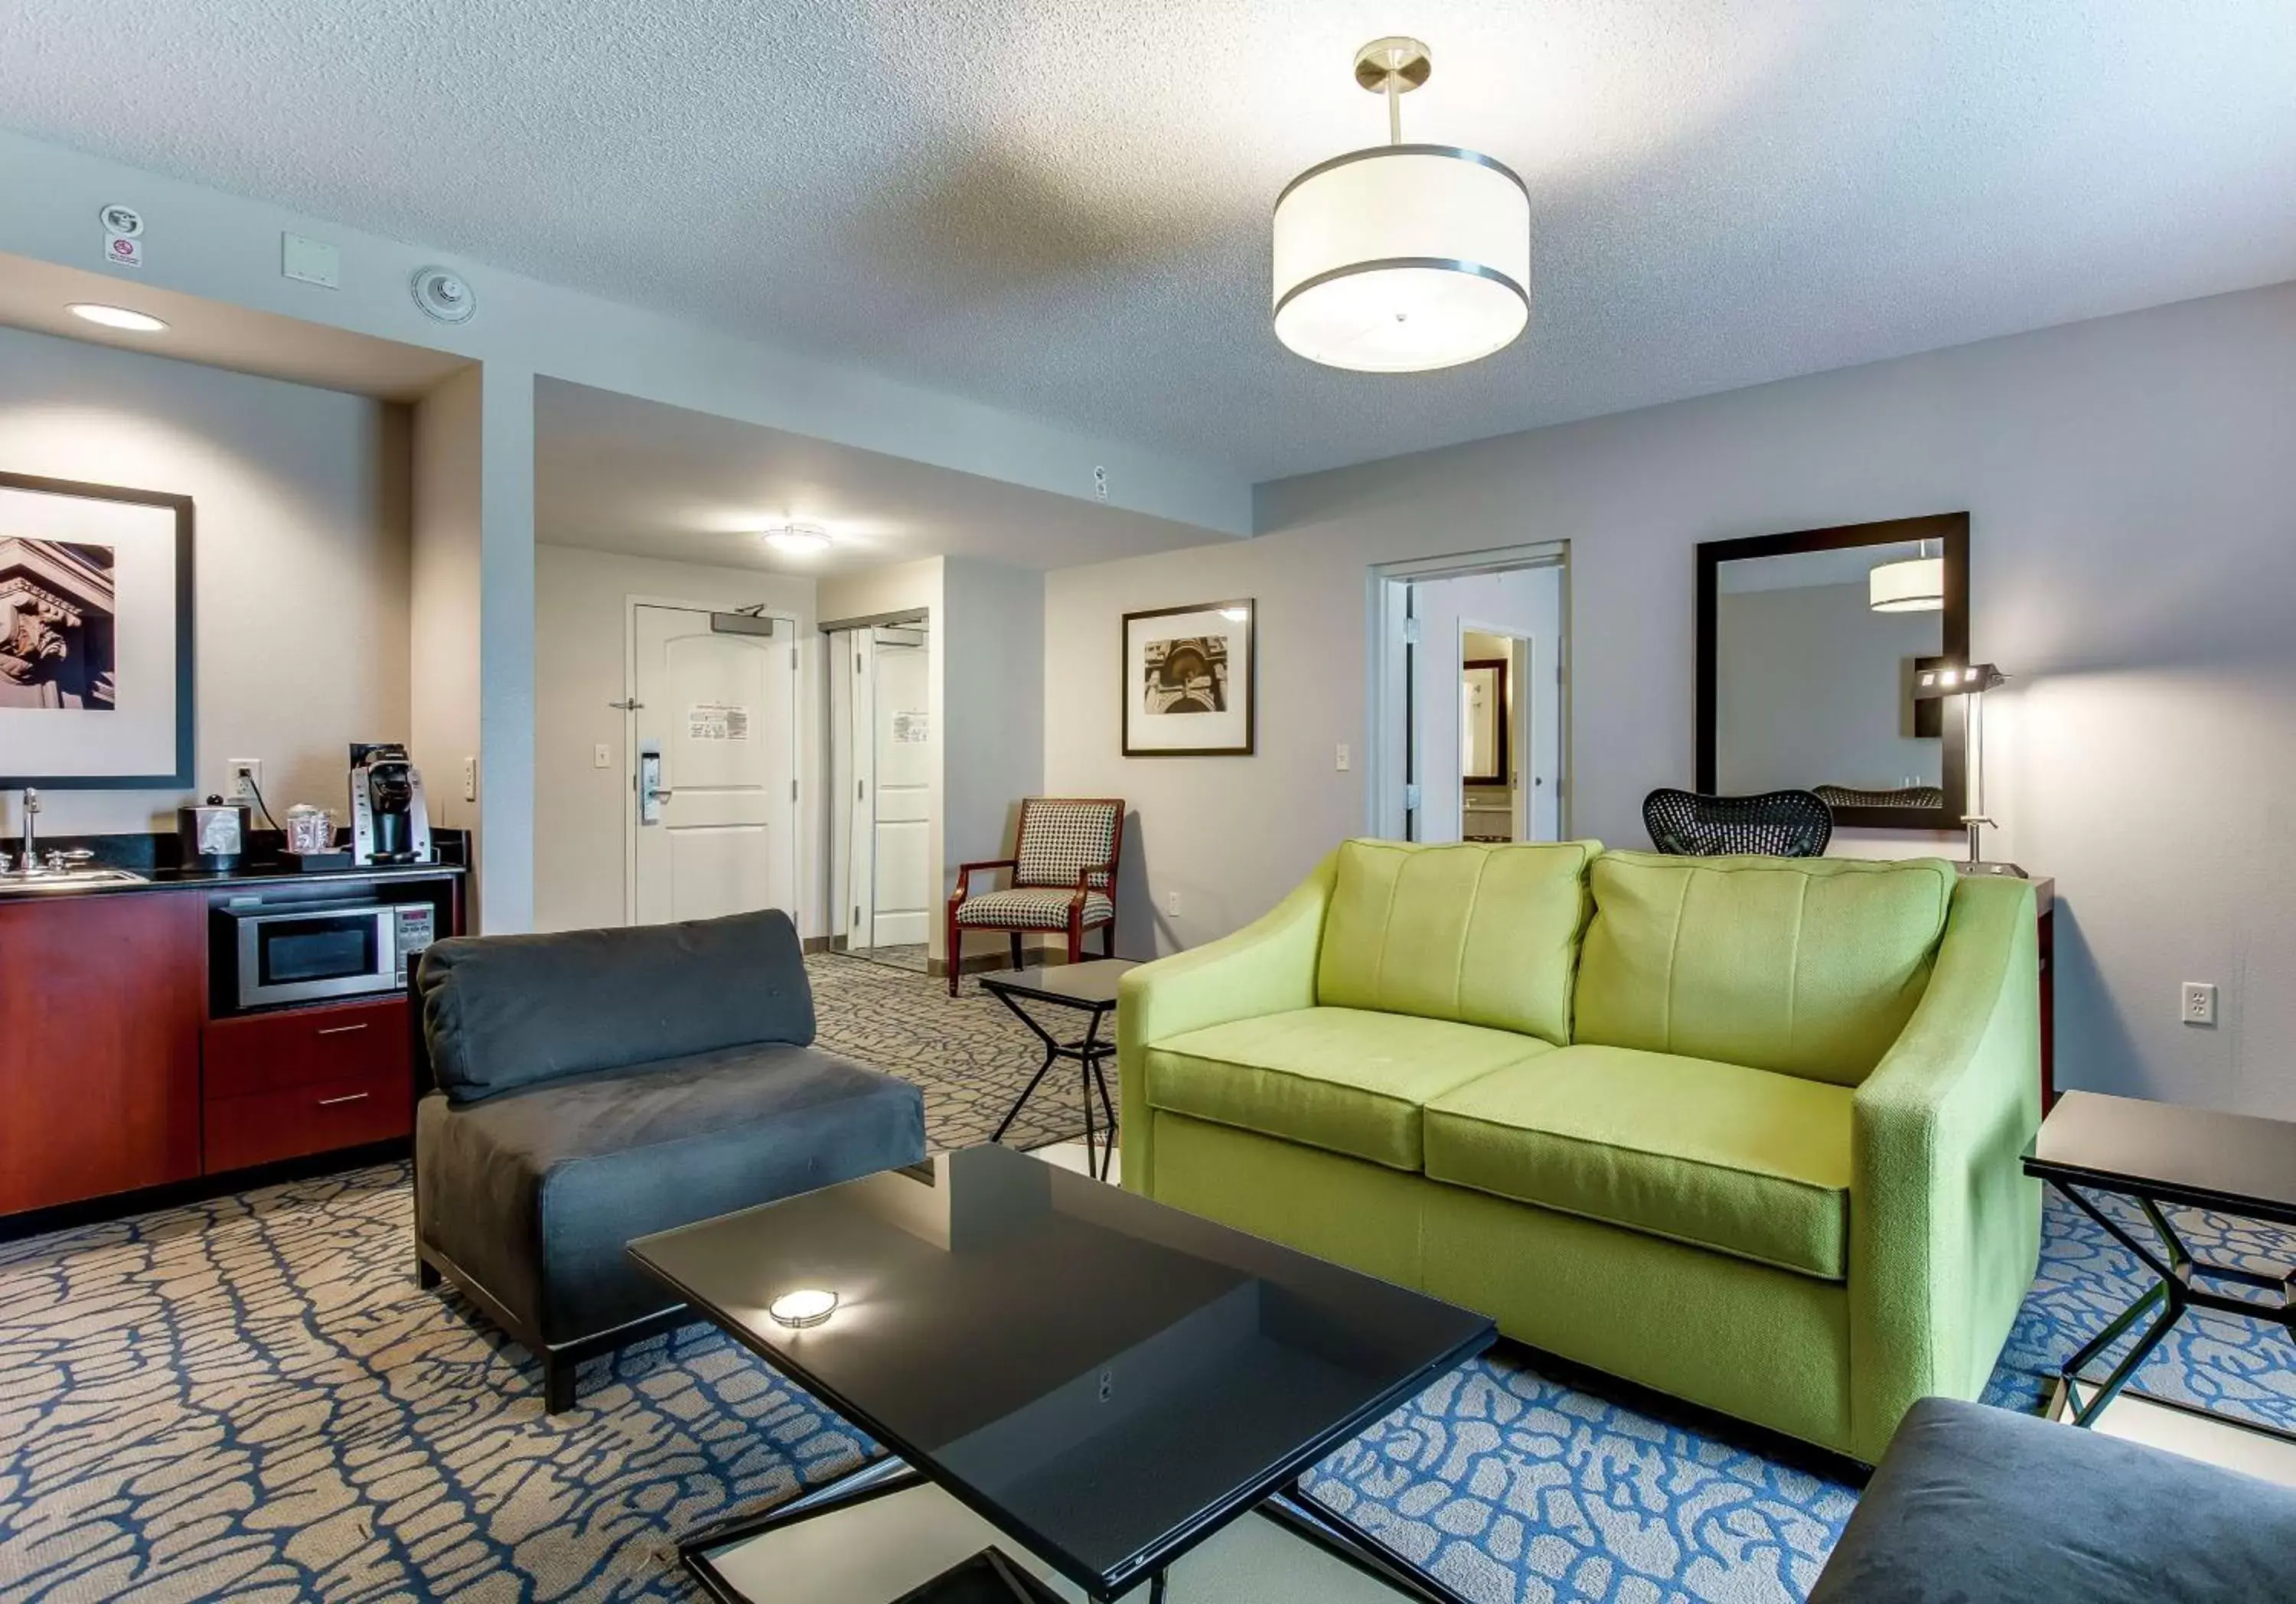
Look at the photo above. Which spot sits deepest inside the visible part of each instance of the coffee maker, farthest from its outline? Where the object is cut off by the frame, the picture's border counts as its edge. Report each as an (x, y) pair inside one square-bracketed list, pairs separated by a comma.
[(389, 821)]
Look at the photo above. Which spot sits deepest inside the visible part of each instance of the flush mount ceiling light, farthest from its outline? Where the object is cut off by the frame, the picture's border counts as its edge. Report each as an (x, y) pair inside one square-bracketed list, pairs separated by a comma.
[(1913, 584), (1403, 258), (799, 540), (116, 317)]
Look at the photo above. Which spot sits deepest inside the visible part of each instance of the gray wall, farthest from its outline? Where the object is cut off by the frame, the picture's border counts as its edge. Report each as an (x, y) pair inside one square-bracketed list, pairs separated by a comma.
[(1811, 690), (2133, 495)]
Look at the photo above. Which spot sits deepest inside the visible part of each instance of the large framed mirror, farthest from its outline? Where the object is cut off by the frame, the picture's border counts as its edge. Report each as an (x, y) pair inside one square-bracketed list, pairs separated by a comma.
[(1807, 646)]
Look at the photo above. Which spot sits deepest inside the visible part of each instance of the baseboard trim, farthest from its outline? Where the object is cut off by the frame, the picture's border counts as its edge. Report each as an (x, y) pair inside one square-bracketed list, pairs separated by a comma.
[(197, 1189)]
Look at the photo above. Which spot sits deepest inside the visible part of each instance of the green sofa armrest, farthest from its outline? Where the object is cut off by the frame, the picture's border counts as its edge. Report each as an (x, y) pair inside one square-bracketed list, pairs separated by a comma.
[(1268, 967), (1945, 1225)]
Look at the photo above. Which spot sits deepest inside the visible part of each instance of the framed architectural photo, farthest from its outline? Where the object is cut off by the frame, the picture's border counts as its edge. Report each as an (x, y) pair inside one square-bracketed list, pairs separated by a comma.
[(96, 635), (1188, 684)]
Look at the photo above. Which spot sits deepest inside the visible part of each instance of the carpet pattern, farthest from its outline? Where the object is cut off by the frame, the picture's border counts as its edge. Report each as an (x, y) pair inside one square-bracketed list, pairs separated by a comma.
[(968, 1055), (248, 1399)]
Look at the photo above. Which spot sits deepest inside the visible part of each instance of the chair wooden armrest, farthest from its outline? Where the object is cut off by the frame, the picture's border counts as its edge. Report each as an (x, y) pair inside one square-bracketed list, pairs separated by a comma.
[(964, 876)]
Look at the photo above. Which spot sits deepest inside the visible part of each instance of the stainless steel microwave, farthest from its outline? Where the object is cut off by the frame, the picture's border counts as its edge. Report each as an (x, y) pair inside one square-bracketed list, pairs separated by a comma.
[(290, 952)]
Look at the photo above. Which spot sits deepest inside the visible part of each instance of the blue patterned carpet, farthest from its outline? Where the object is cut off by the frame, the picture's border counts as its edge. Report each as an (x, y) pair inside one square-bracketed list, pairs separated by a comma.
[(249, 1400)]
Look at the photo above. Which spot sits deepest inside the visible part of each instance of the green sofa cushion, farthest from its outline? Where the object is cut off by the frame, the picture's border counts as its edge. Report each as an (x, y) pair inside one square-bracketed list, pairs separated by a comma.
[(1336, 1078), (1483, 935), (1809, 966), (1743, 1160)]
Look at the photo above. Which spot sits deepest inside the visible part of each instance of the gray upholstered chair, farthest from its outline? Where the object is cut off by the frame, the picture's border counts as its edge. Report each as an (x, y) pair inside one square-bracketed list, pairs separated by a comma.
[(1971, 1504), (1063, 867), (590, 1087)]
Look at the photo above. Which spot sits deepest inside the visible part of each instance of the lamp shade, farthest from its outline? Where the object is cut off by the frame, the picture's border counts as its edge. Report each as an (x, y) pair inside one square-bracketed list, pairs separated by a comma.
[(1917, 585), (1402, 259)]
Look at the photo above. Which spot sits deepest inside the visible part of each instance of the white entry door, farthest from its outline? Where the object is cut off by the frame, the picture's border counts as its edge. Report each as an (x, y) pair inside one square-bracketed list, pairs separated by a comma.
[(713, 815)]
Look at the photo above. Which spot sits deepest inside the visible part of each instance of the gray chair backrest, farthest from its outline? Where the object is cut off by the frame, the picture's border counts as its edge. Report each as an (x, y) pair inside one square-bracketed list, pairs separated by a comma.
[(503, 1012)]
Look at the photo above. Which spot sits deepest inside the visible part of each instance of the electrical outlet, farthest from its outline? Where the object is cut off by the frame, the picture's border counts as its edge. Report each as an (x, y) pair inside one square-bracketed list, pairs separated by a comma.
[(1100, 483), (1172, 904), (246, 778), (2200, 1002), (469, 779), (1340, 762), (602, 756)]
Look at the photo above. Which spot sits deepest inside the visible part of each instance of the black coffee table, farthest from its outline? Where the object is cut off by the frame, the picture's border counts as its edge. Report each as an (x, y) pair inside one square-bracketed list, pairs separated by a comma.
[(1087, 988), (2153, 1154), (1105, 1381)]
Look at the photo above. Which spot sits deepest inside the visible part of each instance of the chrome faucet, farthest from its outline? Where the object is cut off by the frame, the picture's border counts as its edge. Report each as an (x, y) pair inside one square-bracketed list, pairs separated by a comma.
[(31, 859)]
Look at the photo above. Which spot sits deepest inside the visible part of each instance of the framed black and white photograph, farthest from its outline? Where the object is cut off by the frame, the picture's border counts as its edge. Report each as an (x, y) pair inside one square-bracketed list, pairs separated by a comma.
[(95, 634), (1188, 683)]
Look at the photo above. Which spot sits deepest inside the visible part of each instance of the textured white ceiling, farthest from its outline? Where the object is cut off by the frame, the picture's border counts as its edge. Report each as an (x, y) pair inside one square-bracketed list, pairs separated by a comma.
[(1061, 205), (616, 473)]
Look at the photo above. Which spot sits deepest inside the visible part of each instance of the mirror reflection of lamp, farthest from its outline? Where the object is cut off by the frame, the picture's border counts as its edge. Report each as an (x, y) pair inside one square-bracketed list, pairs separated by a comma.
[(1970, 684)]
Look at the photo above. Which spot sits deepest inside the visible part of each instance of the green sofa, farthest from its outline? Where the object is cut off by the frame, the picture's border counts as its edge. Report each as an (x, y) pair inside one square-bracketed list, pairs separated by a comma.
[(1742, 1130)]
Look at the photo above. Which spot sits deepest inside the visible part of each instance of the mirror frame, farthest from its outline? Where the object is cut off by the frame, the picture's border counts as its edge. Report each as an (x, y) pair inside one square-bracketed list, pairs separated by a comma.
[(1500, 722), (1951, 529)]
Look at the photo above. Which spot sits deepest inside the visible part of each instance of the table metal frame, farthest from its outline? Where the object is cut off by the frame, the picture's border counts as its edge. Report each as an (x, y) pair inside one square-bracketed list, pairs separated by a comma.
[(1089, 1052), (2180, 1285), (1290, 1507)]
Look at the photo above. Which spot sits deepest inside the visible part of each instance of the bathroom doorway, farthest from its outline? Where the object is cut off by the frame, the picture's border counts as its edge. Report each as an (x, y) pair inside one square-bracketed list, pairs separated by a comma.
[(882, 747)]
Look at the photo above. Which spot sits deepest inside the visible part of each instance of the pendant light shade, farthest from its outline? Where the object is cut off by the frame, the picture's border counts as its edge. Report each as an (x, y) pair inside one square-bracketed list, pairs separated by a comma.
[(1403, 258), (1917, 585)]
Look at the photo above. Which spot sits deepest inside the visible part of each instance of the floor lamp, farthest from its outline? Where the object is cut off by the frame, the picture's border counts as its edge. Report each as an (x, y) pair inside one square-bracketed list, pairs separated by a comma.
[(1969, 685)]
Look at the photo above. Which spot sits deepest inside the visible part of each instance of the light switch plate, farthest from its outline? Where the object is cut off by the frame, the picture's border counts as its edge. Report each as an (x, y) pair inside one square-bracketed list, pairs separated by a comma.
[(311, 261), (469, 779), (1340, 762), (602, 756)]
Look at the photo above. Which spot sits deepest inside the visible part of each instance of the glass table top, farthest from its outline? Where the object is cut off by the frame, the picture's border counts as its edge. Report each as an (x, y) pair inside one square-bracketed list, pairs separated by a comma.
[(1107, 1379)]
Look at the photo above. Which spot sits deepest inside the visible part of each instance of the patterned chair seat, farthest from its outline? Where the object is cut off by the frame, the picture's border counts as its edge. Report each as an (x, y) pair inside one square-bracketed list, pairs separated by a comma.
[(1033, 908)]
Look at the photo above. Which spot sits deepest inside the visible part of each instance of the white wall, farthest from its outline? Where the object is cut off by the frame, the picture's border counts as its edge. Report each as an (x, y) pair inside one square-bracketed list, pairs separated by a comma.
[(1812, 689), (301, 520), (580, 810), (2133, 496)]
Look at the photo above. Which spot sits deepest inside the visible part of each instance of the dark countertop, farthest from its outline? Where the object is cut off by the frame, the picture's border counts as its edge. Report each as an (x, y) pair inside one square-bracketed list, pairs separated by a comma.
[(153, 857)]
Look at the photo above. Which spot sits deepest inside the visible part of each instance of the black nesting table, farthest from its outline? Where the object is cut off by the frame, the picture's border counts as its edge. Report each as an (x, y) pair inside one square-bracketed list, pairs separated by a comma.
[(1105, 1381), (2151, 1155), (1089, 989)]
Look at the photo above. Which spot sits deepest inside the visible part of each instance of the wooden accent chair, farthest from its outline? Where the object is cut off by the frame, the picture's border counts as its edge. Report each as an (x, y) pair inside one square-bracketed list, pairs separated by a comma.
[(1063, 877)]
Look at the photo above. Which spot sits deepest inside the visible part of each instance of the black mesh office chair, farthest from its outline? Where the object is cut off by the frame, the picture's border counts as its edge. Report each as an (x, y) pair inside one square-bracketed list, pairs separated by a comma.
[(1784, 823)]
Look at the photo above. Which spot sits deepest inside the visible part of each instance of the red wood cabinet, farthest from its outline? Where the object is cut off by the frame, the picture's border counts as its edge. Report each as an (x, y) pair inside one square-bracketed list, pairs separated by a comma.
[(100, 1004), (306, 1080)]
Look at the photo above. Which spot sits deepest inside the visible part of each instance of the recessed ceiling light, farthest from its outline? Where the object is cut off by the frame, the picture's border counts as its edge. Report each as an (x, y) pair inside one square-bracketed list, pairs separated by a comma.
[(116, 317), (799, 540)]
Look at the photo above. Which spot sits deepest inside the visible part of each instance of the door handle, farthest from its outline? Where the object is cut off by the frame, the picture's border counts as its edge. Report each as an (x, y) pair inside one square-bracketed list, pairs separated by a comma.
[(330, 1102), (342, 1029)]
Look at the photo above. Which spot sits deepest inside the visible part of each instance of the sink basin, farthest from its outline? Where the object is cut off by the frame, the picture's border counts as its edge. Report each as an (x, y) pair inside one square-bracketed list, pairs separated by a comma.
[(68, 880)]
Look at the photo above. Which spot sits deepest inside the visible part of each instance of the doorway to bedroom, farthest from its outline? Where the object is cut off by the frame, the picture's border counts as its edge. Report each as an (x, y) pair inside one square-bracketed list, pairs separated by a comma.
[(1469, 683)]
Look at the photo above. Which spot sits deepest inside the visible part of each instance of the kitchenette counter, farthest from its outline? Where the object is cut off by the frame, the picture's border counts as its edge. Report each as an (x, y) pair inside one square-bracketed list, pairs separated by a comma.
[(148, 856)]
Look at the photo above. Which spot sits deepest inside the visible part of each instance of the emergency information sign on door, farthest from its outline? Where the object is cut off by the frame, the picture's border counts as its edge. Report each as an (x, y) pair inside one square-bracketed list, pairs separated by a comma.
[(718, 721)]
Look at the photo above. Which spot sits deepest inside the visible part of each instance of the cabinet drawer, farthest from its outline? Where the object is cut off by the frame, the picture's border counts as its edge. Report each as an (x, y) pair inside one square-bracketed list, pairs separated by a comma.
[(304, 1047), (293, 1121)]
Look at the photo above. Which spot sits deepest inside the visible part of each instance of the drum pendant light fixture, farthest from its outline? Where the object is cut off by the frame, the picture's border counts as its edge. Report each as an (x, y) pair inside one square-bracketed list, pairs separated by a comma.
[(1401, 258)]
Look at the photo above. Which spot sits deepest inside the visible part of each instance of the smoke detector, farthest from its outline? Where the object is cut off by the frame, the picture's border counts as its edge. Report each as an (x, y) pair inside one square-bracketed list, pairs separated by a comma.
[(442, 295)]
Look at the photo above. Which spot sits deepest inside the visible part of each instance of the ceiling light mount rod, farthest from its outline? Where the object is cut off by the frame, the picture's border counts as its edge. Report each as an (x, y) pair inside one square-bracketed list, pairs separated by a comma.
[(1394, 67)]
